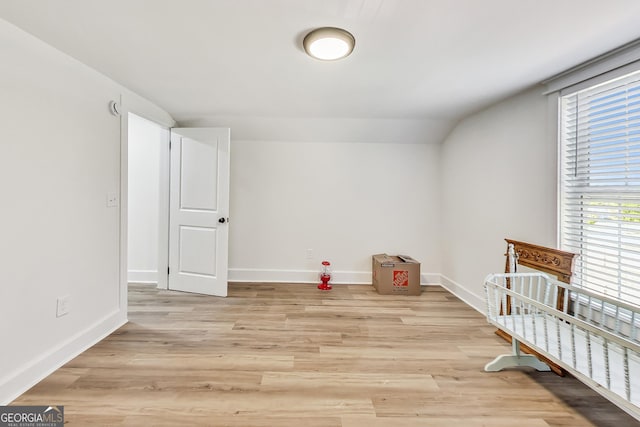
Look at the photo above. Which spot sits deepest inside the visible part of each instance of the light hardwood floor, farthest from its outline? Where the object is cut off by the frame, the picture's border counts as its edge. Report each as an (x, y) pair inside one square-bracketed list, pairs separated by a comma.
[(291, 355)]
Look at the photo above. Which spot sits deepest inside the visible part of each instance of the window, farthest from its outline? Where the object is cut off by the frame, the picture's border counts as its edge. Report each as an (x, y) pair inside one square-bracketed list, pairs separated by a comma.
[(600, 185)]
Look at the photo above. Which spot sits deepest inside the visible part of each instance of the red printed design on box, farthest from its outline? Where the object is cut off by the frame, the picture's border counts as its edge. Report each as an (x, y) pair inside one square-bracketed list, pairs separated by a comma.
[(400, 278)]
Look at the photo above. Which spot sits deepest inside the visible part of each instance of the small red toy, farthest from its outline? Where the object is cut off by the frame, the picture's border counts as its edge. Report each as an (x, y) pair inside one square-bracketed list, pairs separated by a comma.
[(325, 276)]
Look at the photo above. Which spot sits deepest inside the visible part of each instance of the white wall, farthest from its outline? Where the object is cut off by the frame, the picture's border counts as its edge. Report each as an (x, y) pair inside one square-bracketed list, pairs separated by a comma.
[(499, 181), (145, 141), (60, 158), (346, 192), (345, 201)]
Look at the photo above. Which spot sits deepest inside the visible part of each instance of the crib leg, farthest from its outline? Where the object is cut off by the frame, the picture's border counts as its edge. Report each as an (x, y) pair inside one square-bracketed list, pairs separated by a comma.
[(515, 359)]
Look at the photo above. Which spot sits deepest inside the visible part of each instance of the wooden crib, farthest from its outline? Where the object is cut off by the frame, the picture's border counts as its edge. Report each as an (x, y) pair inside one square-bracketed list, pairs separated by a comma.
[(593, 337)]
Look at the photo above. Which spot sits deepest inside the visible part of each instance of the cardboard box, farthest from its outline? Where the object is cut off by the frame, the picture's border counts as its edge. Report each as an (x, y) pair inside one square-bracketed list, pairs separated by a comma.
[(396, 275)]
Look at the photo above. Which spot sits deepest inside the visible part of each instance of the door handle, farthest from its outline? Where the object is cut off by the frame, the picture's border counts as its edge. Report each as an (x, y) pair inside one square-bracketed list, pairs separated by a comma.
[(223, 220)]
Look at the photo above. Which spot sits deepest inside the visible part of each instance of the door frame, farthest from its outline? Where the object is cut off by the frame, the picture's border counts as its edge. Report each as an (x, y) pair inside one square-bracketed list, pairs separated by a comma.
[(140, 107)]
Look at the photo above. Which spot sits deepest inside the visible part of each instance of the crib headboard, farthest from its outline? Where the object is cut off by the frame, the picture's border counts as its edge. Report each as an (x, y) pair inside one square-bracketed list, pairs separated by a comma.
[(548, 260)]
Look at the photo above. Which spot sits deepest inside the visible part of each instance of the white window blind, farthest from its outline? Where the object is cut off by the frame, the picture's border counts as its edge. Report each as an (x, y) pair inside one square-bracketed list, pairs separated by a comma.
[(600, 185)]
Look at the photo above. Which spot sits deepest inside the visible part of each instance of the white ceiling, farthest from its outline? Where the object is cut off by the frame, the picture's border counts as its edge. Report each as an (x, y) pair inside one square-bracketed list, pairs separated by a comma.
[(414, 59)]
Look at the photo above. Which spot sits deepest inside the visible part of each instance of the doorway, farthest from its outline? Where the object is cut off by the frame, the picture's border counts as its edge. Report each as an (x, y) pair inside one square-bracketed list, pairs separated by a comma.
[(195, 242), (147, 201)]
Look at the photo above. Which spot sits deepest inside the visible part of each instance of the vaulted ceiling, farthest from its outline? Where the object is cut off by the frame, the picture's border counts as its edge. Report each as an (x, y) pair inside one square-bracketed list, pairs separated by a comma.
[(414, 59)]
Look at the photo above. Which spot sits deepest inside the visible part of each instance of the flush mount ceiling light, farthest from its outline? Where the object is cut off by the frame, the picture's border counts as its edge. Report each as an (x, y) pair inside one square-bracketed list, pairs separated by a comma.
[(329, 43)]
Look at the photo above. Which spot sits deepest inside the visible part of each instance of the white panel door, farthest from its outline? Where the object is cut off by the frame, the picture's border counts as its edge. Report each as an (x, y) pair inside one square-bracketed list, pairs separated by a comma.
[(199, 210)]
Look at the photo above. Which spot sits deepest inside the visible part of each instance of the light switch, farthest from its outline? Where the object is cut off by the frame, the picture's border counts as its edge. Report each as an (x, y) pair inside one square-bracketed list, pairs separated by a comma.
[(63, 305)]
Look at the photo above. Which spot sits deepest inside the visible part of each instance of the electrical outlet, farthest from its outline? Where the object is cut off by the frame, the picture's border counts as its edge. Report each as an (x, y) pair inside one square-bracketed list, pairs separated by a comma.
[(63, 305), (309, 253), (112, 200)]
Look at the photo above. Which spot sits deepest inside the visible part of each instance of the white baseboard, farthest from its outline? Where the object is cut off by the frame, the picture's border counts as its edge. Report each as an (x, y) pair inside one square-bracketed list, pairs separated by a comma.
[(36, 370), (430, 279), (470, 298), (294, 276), (142, 276), (250, 275)]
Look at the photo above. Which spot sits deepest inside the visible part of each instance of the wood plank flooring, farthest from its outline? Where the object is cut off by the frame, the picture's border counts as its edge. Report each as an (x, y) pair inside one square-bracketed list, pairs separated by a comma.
[(275, 355)]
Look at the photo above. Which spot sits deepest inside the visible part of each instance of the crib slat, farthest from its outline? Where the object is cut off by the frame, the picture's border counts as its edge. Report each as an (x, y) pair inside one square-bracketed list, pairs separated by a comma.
[(496, 302), (503, 301), (545, 299), (589, 355), (514, 308), (540, 288), (487, 301), (607, 368), (627, 383), (546, 334), (534, 326), (559, 346), (573, 346), (522, 316)]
